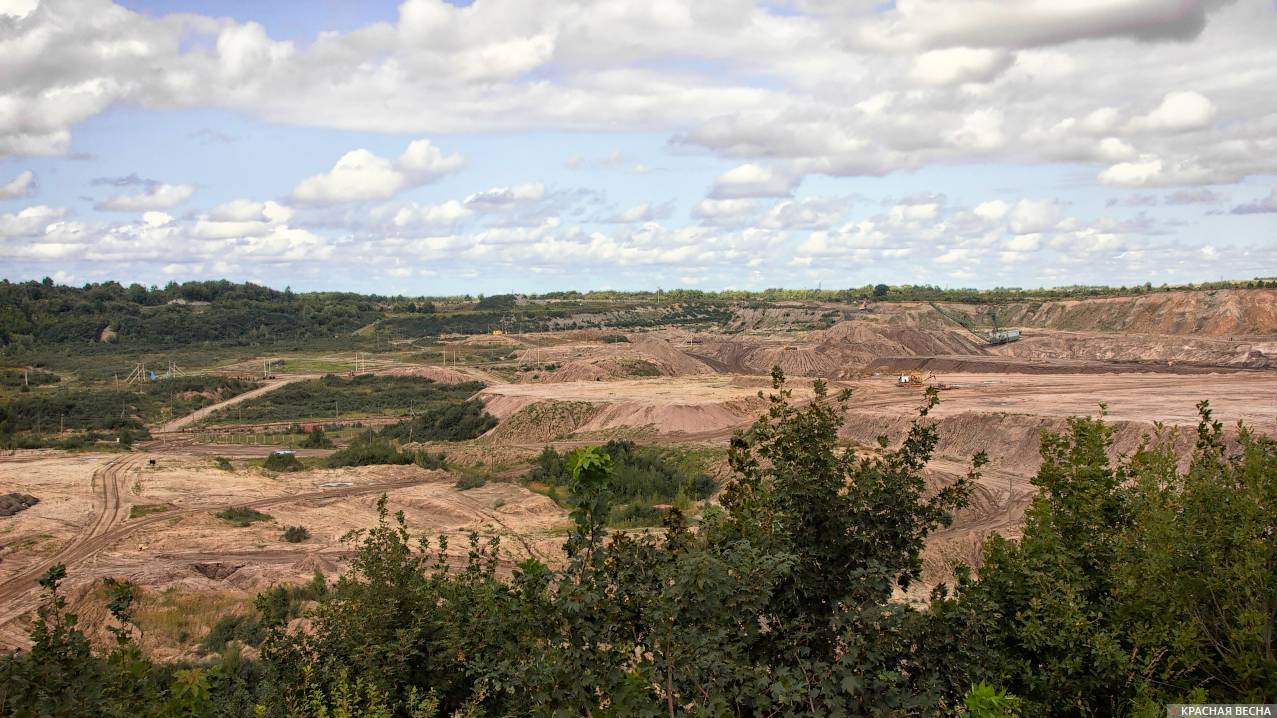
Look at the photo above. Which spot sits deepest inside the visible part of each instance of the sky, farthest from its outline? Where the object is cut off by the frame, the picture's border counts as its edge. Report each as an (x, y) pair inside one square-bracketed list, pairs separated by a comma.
[(431, 147)]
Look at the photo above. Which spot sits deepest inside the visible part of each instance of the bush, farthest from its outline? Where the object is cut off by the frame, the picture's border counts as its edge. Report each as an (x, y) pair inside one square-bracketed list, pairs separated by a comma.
[(242, 516), (282, 461), (247, 629), (316, 439), (137, 511), (450, 422), (470, 480), (365, 452), (223, 463), (296, 534)]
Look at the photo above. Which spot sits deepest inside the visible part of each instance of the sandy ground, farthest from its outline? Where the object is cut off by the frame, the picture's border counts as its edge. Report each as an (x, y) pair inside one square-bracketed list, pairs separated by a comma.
[(84, 522)]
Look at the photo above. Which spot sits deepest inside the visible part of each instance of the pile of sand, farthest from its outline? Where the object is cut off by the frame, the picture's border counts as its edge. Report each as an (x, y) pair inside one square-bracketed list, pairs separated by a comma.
[(650, 356), (542, 420)]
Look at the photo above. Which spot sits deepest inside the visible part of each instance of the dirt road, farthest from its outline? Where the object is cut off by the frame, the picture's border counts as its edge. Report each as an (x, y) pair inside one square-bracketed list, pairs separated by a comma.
[(199, 414)]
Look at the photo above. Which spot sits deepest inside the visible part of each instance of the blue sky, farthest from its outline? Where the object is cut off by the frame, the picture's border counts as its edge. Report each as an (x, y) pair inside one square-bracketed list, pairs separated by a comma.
[(519, 145)]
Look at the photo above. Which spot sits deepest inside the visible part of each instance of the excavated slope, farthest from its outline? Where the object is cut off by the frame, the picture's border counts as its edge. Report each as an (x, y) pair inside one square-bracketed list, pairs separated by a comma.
[(1211, 313)]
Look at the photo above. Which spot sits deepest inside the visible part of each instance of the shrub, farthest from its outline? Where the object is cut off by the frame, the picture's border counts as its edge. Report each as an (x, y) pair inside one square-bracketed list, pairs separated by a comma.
[(316, 439), (296, 534), (450, 422), (223, 463), (247, 629), (282, 461), (140, 510), (242, 516), (470, 480)]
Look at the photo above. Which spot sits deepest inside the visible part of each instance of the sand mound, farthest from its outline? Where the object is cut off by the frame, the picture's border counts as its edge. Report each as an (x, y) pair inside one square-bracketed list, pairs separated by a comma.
[(831, 352), (690, 405), (649, 356), (677, 418), (543, 421)]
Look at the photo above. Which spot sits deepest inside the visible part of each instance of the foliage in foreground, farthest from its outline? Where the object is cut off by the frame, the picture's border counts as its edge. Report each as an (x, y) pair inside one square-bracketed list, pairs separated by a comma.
[(1135, 584), (642, 477)]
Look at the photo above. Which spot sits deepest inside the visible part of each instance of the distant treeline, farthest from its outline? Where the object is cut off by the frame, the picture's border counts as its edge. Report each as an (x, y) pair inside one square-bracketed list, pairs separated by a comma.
[(111, 317)]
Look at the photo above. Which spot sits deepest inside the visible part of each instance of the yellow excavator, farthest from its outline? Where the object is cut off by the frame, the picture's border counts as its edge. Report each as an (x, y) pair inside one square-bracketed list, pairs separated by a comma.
[(914, 378)]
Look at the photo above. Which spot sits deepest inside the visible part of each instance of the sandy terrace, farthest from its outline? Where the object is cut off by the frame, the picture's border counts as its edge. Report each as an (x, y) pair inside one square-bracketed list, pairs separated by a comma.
[(1169, 398)]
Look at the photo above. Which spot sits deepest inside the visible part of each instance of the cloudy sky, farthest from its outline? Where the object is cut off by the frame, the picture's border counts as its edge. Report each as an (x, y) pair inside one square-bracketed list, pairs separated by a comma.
[(434, 147)]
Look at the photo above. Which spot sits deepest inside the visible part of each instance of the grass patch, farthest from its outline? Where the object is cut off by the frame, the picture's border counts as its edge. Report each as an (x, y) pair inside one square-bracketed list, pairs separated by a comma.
[(471, 479), (137, 511), (242, 516)]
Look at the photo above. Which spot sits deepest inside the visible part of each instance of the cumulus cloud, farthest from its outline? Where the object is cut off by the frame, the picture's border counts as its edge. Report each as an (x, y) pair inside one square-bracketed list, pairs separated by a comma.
[(154, 197), (992, 23), (29, 221), (751, 180), (1178, 112), (21, 186), (433, 216), (361, 175), (724, 210), (644, 212), (1034, 216), (959, 64), (805, 213), (242, 218)]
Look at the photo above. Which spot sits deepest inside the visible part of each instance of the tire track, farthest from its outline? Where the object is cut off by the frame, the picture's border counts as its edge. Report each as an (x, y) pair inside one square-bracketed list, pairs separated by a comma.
[(18, 593)]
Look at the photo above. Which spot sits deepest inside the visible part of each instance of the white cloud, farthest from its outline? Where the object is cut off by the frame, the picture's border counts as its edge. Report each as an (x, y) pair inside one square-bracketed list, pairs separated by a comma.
[(1024, 243), (1178, 112), (29, 221), (1033, 216), (242, 218), (751, 180), (724, 210), (645, 212), (155, 197), (805, 213), (992, 210), (442, 215), (1133, 174), (21, 186), (361, 175), (959, 64)]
